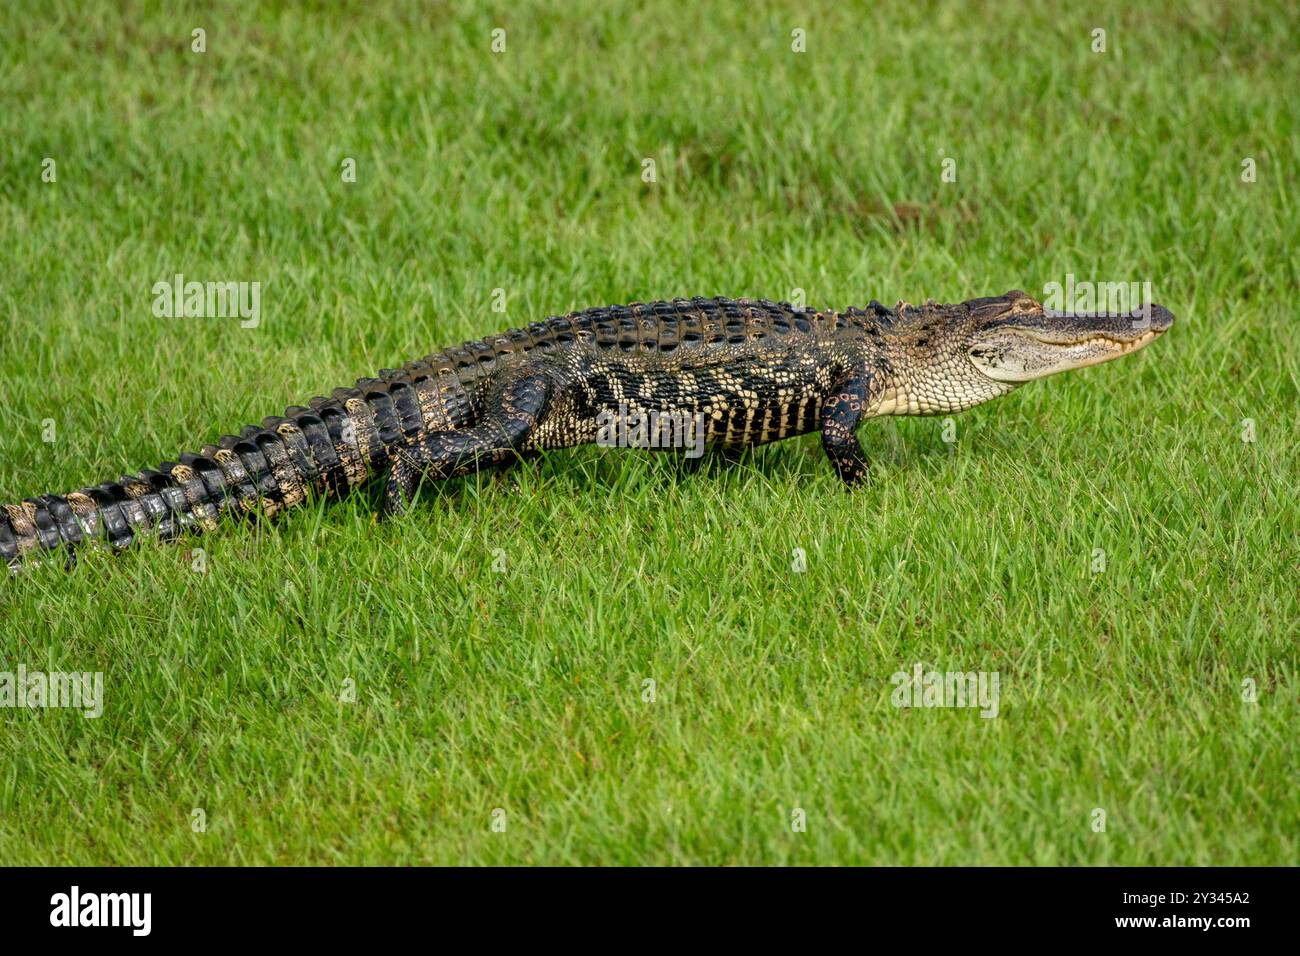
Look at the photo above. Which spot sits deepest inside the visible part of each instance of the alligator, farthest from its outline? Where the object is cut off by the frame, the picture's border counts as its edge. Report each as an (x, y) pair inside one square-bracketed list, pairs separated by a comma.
[(748, 371)]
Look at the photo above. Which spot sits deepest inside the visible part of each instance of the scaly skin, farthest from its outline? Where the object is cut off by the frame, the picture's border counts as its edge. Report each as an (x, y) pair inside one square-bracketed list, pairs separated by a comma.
[(756, 371)]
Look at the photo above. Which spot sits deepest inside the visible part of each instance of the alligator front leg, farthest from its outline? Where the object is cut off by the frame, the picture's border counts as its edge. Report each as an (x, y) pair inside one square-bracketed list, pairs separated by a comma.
[(841, 415), (498, 438)]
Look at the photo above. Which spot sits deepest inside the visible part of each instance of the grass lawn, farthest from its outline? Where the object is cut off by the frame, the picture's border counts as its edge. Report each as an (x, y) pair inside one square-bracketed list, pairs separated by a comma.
[(335, 690)]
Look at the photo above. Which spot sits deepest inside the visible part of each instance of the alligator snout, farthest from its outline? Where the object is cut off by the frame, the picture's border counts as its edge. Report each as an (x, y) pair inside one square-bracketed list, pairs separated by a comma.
[(1160, 317)]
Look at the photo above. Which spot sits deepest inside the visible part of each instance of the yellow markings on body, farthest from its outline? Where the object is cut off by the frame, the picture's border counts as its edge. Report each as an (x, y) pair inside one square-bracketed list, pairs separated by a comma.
[(185, 477), (230, 464), (797, 421), (353, 467), (360, 412), (428, 394), (22, 517), (765, 429), (84, 510), (284, 430), (285, 475)]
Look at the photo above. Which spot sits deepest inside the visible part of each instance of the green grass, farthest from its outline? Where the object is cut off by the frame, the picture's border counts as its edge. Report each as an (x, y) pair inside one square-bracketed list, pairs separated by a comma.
[(523, 690)]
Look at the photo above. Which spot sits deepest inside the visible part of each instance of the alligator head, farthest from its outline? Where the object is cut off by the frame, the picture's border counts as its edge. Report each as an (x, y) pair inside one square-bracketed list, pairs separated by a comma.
[(945, 358), (1020, 341)]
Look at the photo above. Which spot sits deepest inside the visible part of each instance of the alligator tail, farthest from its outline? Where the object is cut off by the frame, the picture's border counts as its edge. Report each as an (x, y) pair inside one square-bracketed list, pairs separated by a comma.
[(328, 448)]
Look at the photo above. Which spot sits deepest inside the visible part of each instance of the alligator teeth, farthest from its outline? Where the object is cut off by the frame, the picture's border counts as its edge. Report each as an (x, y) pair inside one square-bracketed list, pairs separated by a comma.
[(1106, 340)]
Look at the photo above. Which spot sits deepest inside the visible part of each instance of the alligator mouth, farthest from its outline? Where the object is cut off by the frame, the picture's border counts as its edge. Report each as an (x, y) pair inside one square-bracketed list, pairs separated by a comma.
[(1033, 346), (1091, 339)]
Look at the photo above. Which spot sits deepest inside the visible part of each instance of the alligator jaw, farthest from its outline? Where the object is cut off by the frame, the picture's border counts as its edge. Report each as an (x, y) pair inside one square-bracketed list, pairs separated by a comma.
[(1101, 339), (1031, 343)]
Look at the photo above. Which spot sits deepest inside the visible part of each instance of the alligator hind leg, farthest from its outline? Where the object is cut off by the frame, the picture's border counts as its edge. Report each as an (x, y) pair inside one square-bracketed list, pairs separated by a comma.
[(497, 438), (403, 478)]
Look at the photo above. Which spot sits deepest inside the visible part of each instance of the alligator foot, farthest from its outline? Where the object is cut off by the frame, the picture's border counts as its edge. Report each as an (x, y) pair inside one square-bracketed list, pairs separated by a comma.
[(497, 439)]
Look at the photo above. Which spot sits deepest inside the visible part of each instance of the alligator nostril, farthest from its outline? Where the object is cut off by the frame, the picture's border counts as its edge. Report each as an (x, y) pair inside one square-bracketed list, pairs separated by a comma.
[(1152, 316)]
